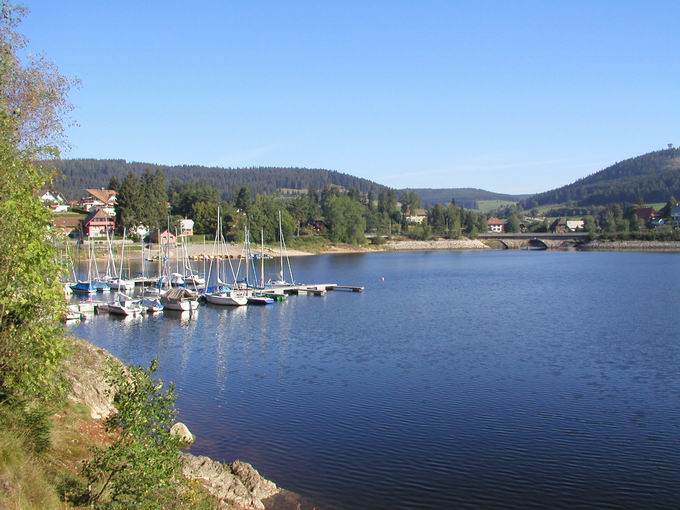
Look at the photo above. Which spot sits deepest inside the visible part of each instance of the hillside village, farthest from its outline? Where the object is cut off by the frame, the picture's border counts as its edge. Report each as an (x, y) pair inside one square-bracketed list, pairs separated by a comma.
[(96, 214)]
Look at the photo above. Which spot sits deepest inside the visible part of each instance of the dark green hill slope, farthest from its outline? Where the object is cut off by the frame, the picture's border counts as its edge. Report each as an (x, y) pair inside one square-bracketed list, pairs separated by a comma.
[(652, 177), (77, 174), (465, 197)]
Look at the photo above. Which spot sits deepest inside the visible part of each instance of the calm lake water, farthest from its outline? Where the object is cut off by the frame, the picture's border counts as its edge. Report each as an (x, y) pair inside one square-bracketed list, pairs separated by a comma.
[(463, 380)]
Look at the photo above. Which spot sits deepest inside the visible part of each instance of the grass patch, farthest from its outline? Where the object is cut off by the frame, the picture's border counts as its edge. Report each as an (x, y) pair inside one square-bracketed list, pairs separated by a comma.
[(23, 483), (487, 206)]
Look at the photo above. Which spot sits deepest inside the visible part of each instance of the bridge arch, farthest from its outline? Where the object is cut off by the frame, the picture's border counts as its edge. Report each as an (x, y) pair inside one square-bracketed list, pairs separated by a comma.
[(538, 244)]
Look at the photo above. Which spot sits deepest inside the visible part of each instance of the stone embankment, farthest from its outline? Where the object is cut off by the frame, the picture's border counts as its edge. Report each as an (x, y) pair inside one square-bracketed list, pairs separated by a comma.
[(235, 486), (439, 244), (669, 246)]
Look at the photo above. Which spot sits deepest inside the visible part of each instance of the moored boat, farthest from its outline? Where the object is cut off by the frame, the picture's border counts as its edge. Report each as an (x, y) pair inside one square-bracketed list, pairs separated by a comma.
[(125, 305), (180, 299)]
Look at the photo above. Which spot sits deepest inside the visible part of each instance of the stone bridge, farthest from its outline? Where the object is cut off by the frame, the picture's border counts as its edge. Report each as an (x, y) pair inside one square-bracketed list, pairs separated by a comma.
[(541, 241)]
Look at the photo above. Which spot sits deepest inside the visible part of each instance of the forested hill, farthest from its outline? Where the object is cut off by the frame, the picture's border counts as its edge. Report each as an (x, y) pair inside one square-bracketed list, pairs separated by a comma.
[(74, 175), (464, 197), (652, 177)]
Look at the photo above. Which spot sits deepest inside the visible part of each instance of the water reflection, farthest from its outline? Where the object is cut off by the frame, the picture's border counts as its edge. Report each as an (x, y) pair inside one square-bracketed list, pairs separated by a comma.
[(464, 380)]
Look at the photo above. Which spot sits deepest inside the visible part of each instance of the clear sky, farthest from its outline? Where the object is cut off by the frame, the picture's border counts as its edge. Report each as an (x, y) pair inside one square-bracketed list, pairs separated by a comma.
[(509, 96)]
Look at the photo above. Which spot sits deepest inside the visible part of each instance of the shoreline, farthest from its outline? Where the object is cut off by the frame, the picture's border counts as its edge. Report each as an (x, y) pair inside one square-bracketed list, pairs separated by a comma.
[(197, 252), (233, 485)]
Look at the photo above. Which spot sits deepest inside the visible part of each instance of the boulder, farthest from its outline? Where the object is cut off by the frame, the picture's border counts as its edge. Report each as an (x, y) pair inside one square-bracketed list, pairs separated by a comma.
[(181, 431)]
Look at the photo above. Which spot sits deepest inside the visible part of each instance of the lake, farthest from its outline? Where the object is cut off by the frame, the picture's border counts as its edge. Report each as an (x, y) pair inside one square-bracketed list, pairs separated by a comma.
[(510, 379)]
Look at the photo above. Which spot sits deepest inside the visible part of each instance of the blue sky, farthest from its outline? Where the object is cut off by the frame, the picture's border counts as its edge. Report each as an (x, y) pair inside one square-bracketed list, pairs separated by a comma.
[(508, 96)]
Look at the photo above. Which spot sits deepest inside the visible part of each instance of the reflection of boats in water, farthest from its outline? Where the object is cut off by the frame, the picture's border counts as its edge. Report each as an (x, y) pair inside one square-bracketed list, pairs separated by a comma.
[(184, 317)]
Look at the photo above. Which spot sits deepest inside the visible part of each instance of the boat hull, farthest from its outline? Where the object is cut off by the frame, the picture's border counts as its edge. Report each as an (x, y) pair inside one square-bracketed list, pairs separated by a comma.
[(226, 300), (180, 306)]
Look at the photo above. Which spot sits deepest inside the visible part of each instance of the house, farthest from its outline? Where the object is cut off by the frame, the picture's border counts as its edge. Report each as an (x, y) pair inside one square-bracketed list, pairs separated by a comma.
[(100, 199), (55, 201), (675, 216), (646, 214), (164, 237), (98, 223), (495, 225), (576, 225), (139, 231), (418, 216), (66, 224), (186, 227), (559, 226)]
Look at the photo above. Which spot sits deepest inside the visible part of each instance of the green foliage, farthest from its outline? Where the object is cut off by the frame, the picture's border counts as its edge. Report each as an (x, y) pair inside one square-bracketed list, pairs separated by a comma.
[(31, 299), (141, 468), (78, 174), (204, 215), (652, 177), (264, 217), (513, 223), (24, 484), (345, 220), (243, 201), (142, 200)]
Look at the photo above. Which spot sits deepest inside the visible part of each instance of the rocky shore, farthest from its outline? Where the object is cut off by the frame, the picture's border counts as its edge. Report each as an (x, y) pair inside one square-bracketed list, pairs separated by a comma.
[(662, 246), (235, 486)]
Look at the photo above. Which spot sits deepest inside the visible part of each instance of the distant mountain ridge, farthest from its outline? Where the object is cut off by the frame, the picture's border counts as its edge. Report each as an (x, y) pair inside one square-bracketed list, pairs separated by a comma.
[(652, 177), (74, 175), (464, 197)]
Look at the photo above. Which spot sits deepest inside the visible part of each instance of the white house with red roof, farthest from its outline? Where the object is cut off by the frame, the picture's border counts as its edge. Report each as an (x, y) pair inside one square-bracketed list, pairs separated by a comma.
[(100, 198), (495, 225)]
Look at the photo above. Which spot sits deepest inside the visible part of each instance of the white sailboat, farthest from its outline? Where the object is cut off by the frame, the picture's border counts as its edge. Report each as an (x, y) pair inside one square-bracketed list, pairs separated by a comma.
[(125, 305), (217, 291), (116, 281), (283, 254)]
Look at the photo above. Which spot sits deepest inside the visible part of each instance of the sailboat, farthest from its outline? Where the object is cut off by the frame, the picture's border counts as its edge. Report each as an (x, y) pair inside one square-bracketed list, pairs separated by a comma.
[(256, 298), (179, 299), (125, 305), (173, 298), (283, 254), (85, 287), (217, 292), (116, 282)]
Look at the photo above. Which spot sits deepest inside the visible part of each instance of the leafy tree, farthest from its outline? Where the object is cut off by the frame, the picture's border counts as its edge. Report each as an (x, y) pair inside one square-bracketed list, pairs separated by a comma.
[(264, 217), (33, 104), (513, 223), (345, 220), (141, 467), (204, 215)]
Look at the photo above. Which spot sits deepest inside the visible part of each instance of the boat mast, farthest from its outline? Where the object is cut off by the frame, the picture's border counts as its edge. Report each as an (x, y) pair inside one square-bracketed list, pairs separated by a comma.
[(262, 260)]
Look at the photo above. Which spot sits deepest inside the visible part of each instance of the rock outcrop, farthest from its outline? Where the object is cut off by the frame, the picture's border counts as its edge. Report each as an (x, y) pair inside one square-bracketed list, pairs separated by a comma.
[(85, 370), (236, 486)]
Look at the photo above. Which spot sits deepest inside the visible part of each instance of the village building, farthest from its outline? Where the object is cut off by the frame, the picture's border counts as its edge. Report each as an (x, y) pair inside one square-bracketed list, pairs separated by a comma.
[(576, 225), (186, 227), (646, 214), (100, 198), (54, 201), (675, 216), (495, 225), (417, 216), (139, 231), (68, 225), (164, 237), (98, 223)]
